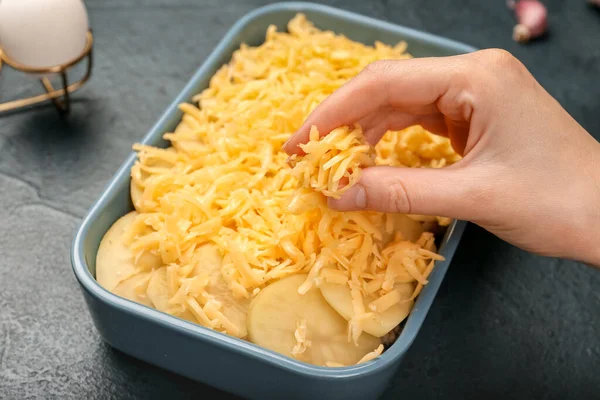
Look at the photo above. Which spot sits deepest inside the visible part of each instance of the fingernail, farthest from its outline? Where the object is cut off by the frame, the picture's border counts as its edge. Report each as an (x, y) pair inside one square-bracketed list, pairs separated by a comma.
[(354, 199), (285, 145), (361, 196)]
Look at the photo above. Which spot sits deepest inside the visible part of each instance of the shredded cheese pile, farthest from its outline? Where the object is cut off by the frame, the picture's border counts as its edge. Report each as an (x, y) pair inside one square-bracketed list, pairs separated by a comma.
[(225, 181), (333, 160)]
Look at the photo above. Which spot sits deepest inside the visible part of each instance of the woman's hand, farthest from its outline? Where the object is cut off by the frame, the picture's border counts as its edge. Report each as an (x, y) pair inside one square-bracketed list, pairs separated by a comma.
[(530, 173)]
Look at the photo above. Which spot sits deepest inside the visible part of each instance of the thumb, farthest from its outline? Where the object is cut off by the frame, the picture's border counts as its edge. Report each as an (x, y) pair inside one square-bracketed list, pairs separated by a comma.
[(449, 192)]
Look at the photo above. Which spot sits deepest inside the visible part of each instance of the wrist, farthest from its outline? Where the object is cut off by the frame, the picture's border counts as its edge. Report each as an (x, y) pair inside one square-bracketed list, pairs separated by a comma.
[(592, 213), (594, 232)]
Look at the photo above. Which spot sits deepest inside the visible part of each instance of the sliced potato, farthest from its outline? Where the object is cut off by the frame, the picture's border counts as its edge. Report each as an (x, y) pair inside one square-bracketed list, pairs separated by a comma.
[(158, 289), (134, 288), (276, 311), (340, 298), (158, 293), (235, 309), (115, 261)]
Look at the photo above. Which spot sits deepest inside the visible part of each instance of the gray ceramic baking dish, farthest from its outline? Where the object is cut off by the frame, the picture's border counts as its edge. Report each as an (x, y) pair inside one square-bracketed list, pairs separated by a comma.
[(222, 361)]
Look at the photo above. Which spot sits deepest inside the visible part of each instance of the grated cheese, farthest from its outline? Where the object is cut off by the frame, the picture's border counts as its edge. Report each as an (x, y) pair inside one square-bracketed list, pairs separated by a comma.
[(372, 355), (367, 357), (225, 182), (300, 335), (333, 159)]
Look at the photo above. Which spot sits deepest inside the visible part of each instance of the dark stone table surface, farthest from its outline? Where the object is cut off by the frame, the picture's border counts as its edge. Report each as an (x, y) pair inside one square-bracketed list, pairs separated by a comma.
[(506, 324)]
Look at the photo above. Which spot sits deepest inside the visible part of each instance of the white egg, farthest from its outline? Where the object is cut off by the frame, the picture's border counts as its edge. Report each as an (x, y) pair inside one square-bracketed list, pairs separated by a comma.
[(43, 33)]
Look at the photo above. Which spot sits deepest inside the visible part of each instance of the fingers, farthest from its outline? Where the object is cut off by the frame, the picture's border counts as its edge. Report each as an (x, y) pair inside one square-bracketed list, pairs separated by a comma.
[(445, 192), (411, 87)]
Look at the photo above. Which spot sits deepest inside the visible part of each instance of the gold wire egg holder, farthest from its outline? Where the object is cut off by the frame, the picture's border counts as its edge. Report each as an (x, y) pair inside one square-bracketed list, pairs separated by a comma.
[(59, 96)]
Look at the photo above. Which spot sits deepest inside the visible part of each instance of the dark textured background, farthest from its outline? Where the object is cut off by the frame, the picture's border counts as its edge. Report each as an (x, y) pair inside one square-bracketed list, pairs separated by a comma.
[(506, 323)]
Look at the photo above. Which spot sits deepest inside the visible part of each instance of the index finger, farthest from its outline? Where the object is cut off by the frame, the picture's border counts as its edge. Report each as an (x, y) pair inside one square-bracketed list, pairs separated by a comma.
[(412, 86)]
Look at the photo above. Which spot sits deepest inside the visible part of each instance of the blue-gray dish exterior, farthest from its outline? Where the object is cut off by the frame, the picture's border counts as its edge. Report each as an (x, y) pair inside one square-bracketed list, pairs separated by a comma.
[(199, 353)]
